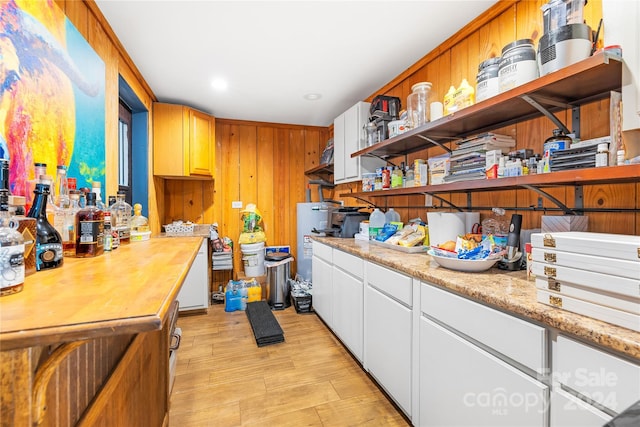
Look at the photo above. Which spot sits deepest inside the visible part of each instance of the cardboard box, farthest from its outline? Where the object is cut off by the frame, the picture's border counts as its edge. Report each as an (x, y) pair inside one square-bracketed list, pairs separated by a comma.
[(556, 223)]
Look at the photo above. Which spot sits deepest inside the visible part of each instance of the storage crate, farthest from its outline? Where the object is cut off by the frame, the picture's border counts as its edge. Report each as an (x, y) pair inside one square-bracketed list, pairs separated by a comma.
[(302, 304)]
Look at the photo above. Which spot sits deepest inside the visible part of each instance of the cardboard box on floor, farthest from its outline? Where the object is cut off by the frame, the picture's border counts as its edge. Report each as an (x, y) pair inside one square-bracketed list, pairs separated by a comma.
[(262, 281)]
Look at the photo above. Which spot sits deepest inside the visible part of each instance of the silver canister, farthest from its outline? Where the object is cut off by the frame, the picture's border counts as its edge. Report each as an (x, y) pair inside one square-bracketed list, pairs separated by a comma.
[(518, 64), (487, 82)]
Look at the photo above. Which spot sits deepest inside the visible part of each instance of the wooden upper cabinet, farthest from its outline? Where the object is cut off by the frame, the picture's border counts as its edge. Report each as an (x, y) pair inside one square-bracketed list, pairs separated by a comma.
[(183, 142)]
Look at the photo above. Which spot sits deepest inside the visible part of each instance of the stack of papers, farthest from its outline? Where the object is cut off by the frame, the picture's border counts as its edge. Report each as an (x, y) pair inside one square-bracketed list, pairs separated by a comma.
[(468, 161)]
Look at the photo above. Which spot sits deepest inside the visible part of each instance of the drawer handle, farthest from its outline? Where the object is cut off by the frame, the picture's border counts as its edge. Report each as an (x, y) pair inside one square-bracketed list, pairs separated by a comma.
[(553, 285), (550, 271), (175, 344), (549, 257), (548, 241), (555, 301)]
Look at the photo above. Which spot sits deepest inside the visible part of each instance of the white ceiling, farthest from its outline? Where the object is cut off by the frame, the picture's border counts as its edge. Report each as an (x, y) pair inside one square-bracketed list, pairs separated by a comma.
[(272, 53)]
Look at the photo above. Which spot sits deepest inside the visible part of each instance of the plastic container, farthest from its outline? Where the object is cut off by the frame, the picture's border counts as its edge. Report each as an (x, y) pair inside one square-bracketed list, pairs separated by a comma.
[(448, 101), (487, 81), (392, 216), (376, 222), (558, 141), (518, 64), (418, 104), (253, 259)]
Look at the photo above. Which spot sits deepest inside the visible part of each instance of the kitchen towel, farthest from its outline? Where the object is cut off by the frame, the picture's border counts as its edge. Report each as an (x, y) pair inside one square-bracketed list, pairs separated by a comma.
[(266, 328)]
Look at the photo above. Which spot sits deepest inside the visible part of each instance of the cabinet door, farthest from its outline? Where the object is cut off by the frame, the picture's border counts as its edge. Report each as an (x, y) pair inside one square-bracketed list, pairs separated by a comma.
[(351, 143), (569, 411), (347, 310), (170, 140), (194, 293), (322, 289), (201, 146), (387, 345), (338, 148), (463, 385)]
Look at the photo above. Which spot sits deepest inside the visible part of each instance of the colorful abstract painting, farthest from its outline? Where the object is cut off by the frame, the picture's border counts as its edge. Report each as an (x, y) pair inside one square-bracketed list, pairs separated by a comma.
[(52, 96)]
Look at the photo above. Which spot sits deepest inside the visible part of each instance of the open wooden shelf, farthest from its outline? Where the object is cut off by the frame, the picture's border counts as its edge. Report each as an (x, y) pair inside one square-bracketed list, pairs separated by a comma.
[(585, 81), (587, 176)]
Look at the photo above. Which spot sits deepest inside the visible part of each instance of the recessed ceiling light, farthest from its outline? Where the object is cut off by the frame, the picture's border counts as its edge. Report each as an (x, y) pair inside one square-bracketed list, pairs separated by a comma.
[(312, 96), (219, 84)]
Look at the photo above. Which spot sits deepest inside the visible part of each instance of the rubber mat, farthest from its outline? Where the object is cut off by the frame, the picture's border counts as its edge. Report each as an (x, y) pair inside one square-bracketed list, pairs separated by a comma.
[(266, 328)]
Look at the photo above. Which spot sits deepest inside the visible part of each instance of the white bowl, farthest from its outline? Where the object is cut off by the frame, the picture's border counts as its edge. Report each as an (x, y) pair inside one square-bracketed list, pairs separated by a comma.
[(469, 265)]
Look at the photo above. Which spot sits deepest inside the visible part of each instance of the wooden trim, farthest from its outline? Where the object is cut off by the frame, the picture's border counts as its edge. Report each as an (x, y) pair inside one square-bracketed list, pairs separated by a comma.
[(473, 26), (267, 124), (124, 56)]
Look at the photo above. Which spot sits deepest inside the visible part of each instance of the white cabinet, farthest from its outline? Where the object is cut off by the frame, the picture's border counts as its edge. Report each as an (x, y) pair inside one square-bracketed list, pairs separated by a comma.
[(194, 294), (569, 411), (347, 133), (321, 272), (389, 332), (463, 385), (348, 301)]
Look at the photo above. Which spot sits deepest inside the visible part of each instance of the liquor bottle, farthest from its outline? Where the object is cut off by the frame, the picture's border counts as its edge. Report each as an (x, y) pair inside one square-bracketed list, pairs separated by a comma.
[(11, 250), (89, 229), (96, 188), (51, 206), (108, 236), (69, 227), (121, 218), (139, 223), (48, 240), (27, 228), (61, 190)]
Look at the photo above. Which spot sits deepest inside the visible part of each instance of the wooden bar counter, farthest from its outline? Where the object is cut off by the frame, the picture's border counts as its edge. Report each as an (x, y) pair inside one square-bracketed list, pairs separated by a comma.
[(88, 343)]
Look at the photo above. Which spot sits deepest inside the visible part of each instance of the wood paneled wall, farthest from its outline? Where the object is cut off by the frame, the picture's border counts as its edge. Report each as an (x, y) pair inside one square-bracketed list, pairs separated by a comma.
[(458, 58)]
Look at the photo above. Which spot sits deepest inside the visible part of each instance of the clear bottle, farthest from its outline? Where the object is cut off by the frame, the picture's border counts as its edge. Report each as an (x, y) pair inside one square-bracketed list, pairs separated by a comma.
[(39, 170), (90, 229), (48, 240), (376, 222), (51, 205), (391, 216), (61, 190), (108, 236), (409, 177), (69, 228), (418, 104), (121, 218), (396, 177), (96, 188), (12, 250), (139, 223)]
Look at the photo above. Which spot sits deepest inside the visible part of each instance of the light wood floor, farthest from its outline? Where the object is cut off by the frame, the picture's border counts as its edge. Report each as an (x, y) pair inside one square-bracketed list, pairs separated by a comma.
[(224, 379)]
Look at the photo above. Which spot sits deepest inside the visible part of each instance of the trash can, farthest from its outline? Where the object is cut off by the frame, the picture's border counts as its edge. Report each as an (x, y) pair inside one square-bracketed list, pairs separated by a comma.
[(278, 275)]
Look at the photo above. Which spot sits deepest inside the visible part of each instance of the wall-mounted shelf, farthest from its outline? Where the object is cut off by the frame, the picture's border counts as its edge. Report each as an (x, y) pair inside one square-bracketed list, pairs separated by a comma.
[(320, 170), (585, 81), (587, 176)]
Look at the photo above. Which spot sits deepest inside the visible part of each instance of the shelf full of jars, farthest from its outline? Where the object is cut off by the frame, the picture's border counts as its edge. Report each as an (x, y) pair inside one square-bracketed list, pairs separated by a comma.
[(62, 222)]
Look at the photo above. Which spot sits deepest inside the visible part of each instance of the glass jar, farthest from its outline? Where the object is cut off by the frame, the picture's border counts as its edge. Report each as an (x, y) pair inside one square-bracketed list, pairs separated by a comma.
[(417, 104)]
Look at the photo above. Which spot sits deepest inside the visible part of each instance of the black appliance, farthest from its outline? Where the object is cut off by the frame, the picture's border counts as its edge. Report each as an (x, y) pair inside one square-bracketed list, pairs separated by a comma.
[(383, 110)]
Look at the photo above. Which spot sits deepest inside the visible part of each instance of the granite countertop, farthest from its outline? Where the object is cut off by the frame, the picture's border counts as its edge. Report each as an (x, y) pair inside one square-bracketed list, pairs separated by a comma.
[(508, 291)]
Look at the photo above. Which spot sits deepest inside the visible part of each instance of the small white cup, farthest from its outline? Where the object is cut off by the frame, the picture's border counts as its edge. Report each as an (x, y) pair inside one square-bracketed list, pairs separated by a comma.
[(437, 110)]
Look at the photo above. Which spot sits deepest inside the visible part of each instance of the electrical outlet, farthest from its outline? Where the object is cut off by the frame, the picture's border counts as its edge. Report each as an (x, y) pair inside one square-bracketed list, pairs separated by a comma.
[(236, 204)]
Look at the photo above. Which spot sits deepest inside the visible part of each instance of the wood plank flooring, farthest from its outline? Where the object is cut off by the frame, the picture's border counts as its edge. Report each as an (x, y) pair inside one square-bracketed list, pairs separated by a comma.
[(224, 379)]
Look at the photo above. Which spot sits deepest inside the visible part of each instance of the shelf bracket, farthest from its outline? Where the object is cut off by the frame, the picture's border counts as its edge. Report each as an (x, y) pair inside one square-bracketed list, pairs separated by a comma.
[(444, 201), (535, 104), (548, 196), (434, 142)]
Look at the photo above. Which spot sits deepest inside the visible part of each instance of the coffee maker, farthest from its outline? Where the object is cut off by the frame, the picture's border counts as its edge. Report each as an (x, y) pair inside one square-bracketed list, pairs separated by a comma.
[(383, 110)]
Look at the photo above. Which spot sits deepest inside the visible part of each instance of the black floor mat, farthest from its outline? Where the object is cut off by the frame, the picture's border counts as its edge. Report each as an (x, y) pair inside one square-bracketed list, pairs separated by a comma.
[(266, 328)]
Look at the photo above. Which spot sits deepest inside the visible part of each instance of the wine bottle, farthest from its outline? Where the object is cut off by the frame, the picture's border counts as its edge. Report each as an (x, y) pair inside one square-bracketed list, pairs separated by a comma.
[(89, 229), (48, 240)]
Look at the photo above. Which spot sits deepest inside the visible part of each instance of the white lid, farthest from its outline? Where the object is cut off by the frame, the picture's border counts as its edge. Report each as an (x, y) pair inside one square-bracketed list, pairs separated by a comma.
[(421, 86), (603, 147)]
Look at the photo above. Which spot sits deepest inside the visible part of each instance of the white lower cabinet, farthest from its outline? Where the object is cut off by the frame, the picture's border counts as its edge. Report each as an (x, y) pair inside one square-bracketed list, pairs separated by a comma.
[(389, 333), (348, 301), (194, 294), (321, 272), (463, 385), (569, 411)]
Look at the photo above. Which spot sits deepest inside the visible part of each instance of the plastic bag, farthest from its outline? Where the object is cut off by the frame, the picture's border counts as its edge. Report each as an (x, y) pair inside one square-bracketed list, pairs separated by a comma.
[(251, 219)]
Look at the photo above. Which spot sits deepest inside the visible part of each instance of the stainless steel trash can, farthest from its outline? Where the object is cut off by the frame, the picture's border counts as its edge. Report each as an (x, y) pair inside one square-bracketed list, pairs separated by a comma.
[(278, 274)]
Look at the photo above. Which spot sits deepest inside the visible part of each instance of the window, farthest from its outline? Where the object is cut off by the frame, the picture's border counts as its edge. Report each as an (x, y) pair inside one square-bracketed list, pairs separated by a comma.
[(124, 151)]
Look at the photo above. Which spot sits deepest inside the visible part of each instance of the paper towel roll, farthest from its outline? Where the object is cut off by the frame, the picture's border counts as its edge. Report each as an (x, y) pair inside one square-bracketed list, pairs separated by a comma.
[(445, 226), (471, 219)]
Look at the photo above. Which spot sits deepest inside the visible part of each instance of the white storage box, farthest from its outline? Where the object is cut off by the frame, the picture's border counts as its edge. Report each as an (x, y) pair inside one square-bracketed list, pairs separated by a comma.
[(612, 266), (618, 246)]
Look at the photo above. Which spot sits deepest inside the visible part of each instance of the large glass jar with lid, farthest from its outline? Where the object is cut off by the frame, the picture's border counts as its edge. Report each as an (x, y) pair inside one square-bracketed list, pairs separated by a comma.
[(121, 218), (417, 104)]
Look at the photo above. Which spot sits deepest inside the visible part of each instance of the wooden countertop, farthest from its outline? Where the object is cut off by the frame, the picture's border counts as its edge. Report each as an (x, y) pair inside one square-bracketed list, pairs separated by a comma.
[(507, 291), (125, 291)]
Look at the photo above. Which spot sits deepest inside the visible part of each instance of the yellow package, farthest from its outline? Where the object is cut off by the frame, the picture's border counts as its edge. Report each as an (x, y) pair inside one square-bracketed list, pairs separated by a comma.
[(256, 237), (254, 290)]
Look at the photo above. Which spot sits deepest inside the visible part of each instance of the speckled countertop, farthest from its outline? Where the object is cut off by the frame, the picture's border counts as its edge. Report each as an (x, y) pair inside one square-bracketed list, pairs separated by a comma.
[(508, 291)]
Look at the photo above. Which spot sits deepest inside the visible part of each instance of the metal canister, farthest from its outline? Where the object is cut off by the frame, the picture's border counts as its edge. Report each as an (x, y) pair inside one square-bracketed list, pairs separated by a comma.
[(487, 82), (518, 64)]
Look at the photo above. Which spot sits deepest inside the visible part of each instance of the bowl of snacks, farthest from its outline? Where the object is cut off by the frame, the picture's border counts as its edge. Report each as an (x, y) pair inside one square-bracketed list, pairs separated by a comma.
[(467, 254)]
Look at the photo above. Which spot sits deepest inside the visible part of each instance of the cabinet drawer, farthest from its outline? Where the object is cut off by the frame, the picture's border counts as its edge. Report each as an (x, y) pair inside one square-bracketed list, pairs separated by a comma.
[(519, 340), (609, 380), (394, 284), (349, 263), (323, 251)]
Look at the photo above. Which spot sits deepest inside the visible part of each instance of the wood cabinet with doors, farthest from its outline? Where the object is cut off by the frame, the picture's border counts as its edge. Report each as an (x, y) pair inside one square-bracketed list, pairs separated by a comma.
[(183, 142)]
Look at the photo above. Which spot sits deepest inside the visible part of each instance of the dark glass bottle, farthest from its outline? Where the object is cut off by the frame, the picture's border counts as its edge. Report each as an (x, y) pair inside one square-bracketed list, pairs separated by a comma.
[(89, 229), (48, 240)]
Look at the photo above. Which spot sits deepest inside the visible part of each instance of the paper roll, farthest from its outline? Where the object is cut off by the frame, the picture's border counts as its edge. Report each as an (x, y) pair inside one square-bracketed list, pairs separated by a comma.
[(444, 226), (437, 110)]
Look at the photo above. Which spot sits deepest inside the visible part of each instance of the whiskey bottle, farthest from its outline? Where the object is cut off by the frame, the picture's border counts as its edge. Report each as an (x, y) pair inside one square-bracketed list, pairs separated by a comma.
[(48, 240), (11, 250), (69, 226), (90, 229)]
